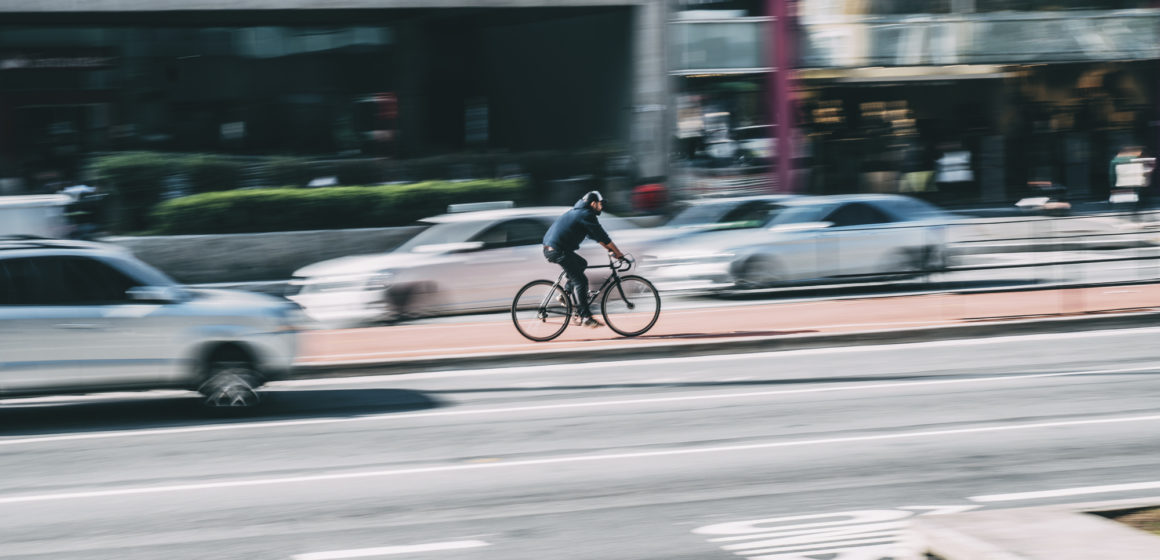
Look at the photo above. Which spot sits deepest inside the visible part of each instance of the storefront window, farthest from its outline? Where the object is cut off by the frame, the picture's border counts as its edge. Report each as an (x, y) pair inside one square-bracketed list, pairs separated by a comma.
[(719, 45)]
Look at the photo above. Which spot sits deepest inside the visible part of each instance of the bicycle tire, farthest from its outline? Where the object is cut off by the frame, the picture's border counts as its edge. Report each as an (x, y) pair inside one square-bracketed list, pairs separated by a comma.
[(527, 312), (642, 314)]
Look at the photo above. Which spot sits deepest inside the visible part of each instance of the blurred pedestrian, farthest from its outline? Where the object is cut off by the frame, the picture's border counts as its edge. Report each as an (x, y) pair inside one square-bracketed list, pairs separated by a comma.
[(954, 174), (1129, 174)]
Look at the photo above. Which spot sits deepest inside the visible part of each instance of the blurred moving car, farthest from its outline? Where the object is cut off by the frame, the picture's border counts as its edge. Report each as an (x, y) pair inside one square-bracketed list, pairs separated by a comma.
[(463, 262), (727, 213), (810, 239), (77, 316)]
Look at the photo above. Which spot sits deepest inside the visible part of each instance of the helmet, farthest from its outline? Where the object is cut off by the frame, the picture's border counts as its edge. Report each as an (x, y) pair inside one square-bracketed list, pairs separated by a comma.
[(593, 196)]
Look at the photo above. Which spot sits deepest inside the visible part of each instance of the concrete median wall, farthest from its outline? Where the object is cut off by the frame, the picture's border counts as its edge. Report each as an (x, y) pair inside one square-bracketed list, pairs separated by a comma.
[(195, 259)]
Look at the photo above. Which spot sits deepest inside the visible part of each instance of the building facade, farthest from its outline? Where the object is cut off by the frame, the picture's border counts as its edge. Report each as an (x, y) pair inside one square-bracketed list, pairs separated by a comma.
[(337, 78), (712, 96), (1025, 92)]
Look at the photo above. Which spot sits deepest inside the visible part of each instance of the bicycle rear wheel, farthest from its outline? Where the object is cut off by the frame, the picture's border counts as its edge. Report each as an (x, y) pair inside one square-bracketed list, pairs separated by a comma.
[(541, 310), (631, 307)]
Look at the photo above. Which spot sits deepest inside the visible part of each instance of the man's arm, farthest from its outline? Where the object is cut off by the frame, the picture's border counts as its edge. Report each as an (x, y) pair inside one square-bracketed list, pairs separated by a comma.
[(616, 252)]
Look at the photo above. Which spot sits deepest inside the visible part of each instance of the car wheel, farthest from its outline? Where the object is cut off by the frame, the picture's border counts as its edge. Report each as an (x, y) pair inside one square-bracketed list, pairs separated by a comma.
[(231, 384), (756, 272)]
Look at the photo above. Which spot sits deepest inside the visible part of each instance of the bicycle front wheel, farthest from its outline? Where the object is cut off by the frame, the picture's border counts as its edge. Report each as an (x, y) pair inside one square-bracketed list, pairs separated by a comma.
[(631, 307), (541, 310)]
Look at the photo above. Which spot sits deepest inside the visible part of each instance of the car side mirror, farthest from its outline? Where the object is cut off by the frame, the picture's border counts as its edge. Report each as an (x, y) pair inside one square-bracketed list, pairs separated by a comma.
[(155, 294)]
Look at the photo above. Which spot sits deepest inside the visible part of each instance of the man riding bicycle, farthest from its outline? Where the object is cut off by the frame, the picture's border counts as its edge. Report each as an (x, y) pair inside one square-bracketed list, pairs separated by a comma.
[(562, 241)]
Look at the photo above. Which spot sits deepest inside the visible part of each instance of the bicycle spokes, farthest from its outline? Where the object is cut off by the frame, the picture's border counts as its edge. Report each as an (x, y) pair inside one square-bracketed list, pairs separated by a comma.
[(541, 310)]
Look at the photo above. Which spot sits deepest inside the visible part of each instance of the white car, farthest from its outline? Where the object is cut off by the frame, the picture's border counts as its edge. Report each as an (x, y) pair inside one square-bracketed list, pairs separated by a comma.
[(79, 317), (462, 263), (811, 239)]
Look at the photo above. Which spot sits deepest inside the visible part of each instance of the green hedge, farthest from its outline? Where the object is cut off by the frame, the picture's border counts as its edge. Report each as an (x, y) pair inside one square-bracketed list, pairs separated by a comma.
[(260, 210)]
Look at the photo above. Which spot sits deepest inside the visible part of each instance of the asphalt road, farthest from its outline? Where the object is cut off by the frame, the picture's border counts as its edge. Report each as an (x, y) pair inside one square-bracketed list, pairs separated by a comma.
[(790, 455)]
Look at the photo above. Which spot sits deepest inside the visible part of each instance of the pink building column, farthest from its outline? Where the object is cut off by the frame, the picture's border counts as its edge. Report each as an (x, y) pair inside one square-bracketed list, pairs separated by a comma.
[(781, 89)]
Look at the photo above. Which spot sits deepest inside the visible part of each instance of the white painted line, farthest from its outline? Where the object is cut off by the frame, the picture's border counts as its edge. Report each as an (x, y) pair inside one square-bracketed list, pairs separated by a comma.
[(534, 408), (388, 550), (1066, 492), (565, 406), (461, 467)]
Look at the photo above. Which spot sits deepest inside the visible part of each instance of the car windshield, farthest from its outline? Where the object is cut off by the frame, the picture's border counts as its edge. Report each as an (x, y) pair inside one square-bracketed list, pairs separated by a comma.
[(445, 232), (800, 214), (699, 214)]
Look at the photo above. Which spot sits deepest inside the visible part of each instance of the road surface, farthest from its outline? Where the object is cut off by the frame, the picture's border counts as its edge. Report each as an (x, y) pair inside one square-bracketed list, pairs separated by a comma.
[(786, 456)]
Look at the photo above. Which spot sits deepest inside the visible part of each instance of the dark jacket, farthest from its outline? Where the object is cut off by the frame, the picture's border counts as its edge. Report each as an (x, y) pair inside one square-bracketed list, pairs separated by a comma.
[(571, 228)]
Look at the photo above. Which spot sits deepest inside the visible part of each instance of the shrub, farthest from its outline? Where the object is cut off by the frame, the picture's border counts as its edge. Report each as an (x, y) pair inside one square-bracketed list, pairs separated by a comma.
[(208, 173), (137, 180), (290, 172), (260, 210)]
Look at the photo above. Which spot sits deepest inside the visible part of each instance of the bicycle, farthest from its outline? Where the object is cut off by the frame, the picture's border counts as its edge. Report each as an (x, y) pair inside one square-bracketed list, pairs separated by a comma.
[(630, 305)]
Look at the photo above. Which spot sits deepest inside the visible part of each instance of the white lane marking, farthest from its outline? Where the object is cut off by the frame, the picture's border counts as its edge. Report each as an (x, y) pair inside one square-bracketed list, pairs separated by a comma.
[(1066, 492), (131, 491), (516, 409), (388, 550), (1118, 333)]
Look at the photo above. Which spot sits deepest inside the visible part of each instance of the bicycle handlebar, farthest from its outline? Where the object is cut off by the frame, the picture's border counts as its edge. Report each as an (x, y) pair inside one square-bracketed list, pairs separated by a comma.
[(621, 265)]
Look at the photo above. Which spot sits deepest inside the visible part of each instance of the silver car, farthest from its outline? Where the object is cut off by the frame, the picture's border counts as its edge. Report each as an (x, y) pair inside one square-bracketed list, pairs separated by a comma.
[(809, 239), (81, 317), (463, 262)]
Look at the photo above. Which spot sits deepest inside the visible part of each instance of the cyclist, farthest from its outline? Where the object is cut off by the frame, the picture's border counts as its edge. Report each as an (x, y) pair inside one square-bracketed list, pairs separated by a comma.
[(562, 241)]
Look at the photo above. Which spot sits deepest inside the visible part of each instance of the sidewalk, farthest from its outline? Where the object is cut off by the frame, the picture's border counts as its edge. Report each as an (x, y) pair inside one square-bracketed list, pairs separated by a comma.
[(766, 326)]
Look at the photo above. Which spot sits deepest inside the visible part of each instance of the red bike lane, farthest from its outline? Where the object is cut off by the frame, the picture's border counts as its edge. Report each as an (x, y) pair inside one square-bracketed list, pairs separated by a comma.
[(734, 322)]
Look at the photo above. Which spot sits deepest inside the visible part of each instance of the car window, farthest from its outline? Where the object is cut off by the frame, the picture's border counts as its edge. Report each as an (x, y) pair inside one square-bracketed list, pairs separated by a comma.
[(750, 214), (66, 280), (698, 214), (800, 214), (449, 232), (513, 233), (857, 214), (526, 232)]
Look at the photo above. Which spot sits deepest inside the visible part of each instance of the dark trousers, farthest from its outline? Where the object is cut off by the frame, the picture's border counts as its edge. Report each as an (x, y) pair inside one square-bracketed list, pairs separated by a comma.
[(573, 266)]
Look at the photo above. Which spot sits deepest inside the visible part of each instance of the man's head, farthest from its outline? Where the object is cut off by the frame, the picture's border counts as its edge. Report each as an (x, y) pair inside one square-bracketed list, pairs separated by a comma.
[(595, 201)]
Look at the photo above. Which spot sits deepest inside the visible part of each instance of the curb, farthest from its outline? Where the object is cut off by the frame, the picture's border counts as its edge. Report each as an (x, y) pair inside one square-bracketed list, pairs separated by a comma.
[(1056, 532), (605, 351)]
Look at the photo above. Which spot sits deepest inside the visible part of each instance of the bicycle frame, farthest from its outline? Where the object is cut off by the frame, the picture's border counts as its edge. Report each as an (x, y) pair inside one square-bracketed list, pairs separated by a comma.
[(613, 278)]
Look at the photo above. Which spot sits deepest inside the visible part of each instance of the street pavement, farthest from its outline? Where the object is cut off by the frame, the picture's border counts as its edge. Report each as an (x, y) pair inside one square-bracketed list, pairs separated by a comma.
[(823, 454)]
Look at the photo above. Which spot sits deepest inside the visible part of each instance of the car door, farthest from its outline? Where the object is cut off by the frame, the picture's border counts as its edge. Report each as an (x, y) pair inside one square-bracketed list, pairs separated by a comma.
[(68, 325), (512, 255), (862, 240)]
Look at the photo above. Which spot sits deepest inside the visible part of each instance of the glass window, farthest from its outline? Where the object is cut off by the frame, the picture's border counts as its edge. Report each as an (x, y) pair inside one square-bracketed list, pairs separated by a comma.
[(62, 281), (800, 214), (526, 232), (440, 233), (513, 233), (857, 214), (719, 45)]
